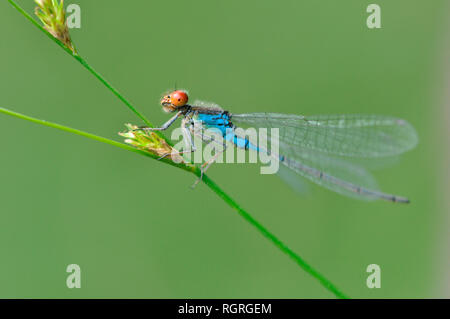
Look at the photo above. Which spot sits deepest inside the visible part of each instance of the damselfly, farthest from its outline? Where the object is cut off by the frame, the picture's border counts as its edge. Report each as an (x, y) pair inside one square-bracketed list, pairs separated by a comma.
[(323, 148)]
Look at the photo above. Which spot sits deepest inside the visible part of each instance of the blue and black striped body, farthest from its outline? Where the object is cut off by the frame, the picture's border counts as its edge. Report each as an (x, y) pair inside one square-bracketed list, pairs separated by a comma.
[(221, 121)]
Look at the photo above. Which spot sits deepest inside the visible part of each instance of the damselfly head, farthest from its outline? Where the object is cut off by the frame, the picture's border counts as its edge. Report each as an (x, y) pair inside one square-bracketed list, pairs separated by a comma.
[(174, 100)]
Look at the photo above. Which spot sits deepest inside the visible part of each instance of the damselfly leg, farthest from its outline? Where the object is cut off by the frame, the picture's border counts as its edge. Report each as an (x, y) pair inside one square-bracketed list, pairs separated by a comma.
[(206, 165)]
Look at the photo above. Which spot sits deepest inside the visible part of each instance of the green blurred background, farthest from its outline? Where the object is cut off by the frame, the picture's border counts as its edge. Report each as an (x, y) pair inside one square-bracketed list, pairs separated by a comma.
[(136, 228)]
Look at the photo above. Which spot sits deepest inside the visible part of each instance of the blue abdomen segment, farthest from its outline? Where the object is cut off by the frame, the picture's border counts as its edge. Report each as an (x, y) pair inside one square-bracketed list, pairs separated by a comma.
[(240, 141), (222, 123)]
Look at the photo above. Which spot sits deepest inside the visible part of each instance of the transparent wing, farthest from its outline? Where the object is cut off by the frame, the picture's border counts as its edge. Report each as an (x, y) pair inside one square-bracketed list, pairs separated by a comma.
[(333, 172), (294, 181), (345, 135)]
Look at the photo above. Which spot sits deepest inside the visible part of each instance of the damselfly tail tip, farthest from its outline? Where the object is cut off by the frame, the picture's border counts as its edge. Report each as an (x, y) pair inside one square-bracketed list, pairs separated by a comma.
[(402, 200), (396, 199)]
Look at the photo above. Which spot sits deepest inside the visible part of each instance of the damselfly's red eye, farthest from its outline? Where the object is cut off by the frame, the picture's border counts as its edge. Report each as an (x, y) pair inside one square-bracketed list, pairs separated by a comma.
[(178, 98)]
